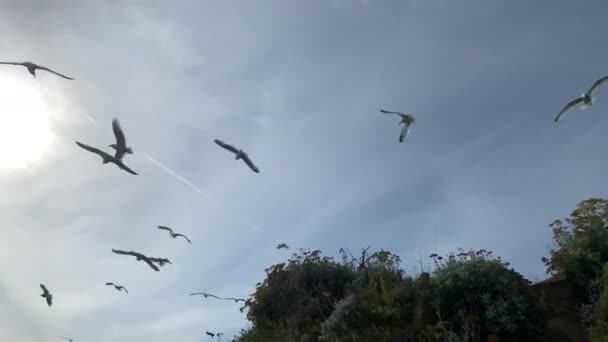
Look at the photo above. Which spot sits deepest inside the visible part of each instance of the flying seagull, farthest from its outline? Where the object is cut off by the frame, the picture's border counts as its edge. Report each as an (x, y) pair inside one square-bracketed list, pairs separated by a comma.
[(173, 234), (137, 256), (282, 245), (240, 154), (117, 287), (407, 120), (65, 338), (31, 67), (47, 295), (107, 158), (586, 99), (121, 142), (206, 295)]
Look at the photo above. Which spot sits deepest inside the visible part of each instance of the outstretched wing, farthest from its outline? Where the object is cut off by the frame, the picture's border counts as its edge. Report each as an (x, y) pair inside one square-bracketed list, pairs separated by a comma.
[(11, 63), (210, 334), (44, 289), (123, 288), (390, 112), (404, 130), (184, 236), (151, 264), (250, 164), (165, 228), (236, 300), (123, 166), (121, 141), (65, 338), (568, 107), (205, 295), (110, 284), (226, 146), (54, 72), (597, 84), (92, 149)]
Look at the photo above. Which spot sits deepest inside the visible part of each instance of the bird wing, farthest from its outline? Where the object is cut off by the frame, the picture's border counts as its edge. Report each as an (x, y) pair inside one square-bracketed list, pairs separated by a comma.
[(404, 130), (121, 141), (110, 284), (93, 149), (184, 236), (250, 164), (568, 107), (597, 84), (235, 299), (151, 264), (44, 289), (54, 72), (205, 294), (390, 112), (49, 300), (12, 63), (165, 228), (226, 146), (210, 334), (65, 338), (122, 165)]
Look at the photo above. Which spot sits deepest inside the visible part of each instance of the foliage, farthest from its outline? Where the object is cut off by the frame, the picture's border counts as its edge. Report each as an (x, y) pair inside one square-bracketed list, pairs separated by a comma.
[(581, 246), (468, 297), (599, 330)]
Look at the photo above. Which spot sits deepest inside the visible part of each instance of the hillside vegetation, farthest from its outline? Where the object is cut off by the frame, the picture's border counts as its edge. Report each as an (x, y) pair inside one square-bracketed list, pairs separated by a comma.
[(469, 296)]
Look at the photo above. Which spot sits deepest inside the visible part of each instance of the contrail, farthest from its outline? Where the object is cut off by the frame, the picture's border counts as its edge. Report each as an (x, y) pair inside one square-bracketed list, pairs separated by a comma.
[(182, 179)]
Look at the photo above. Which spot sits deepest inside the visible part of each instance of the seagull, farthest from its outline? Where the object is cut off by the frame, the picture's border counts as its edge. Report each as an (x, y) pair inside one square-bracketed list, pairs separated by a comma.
[(121, 142), (31, 67), (407, 120), (138, 256), (240, 154), (282, 245), (206, 295), (118, 287), (47, 295), (173, 234), (107, 158), (65, 338), (586, 99)]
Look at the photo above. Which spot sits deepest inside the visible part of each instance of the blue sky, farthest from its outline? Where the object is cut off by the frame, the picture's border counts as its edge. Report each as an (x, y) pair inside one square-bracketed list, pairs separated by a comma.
[(298, 85)]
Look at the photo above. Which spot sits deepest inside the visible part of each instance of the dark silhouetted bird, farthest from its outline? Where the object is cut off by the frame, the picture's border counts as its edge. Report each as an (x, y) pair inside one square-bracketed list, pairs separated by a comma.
[(173, 234), (138, 256), (46, 295), (206, 295), (407, 120), (31, 67), (117, 287), (121, 142), (107, 158), (586, 99), (282, 245), (160, 261), (240, 154)]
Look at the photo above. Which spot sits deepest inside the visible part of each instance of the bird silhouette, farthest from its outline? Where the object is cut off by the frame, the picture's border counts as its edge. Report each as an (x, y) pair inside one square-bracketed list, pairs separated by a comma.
[(65, 338), (407, 120), (138, 256), (32, 67), (160, 261), (282, 245), (206, 295), (117, 287), (46, 295), (107, 158), (121, 142), (586, 99), (240, 154), (210, 333), (173, 234)]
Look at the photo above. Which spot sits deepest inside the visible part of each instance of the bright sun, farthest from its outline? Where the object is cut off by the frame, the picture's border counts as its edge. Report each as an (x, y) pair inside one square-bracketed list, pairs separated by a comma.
[(24, 130)]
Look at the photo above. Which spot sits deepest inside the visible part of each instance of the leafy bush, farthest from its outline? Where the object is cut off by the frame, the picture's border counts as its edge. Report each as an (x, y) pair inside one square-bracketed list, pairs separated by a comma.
[(468, 297), (599, 331), (581, 246)]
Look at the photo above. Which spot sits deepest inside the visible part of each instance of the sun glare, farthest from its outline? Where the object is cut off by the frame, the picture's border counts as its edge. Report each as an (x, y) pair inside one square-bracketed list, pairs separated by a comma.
[(24, 130)]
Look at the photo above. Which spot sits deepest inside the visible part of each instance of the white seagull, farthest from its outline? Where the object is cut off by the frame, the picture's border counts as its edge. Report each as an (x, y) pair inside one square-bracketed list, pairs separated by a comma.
[(107, 158), (31, 67), (586, 99), (240, 154), (173, 234), (407, 120)]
